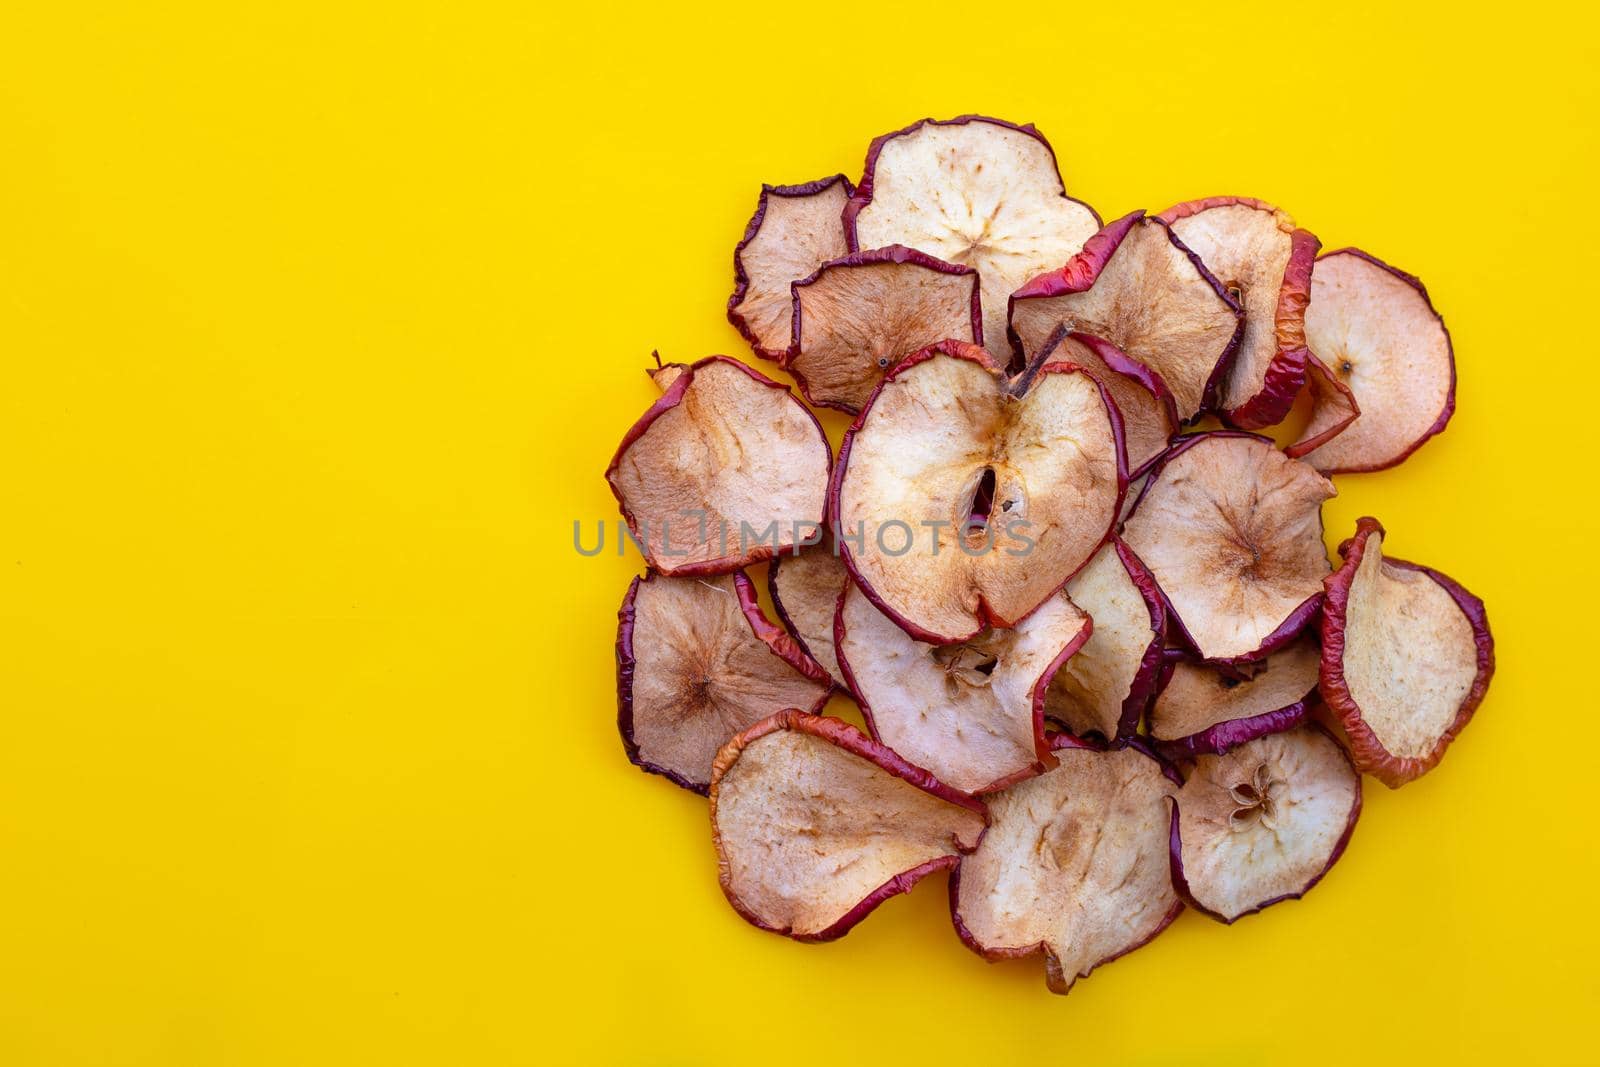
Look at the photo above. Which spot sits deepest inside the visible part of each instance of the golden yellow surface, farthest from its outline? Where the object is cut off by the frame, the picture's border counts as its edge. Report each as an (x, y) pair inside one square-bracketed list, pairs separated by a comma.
[(317, 328)]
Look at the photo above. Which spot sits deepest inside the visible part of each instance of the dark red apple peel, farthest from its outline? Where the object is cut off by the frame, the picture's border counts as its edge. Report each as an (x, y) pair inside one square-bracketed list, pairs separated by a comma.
[(1376, 333), (797, 792), (857, 316), (1333, 409), (1202, 710), (1232, 531), (1051, 442), (972, 713), (698, 661), (805, 587), (1104, 689), (1136, 285), (1074, 864), (1407, 656), (973, 190), (1265, 262), (687, 503), (795, 229), (1263, 823)]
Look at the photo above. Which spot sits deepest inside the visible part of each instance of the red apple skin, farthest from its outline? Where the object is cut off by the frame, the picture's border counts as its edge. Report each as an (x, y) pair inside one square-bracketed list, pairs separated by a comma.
[(1215, 740), (1055, 980), (741, 280), (1302, 616), (1018, 385), (1079, 274), (1286, 375), (788, 623), (665, 403), (847, 737), (773, 636), (1318, 375), (1181, 883), (1042, 743), (862, 195), (887, 254), (1369, 754), (1449, 408)]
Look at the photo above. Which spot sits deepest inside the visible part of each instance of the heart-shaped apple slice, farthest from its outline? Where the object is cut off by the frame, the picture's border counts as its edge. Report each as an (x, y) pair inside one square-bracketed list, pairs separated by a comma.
[(1263, 823), (964, 499), (815, 825), (971, 190), (697, 662), (1264, 262), (796, 228), (1406, 658), (1202, 709), (973, 712), (1074, 864)]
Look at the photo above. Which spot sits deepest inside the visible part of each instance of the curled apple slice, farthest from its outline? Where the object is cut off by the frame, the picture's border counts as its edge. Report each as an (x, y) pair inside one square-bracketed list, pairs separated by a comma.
[(805, 590), (727, 468), (794, 230), (1074, 865), (1104, 688), (1232, 530), (1376, 332), (1406, 658), (1263, 823), (1333, 409), (971, 190), (697, 662), (1205, 710), (973, 712), (964, 500), (1264, 262), (860, 315), (815, 825), (1149, 418), (1136, 285)]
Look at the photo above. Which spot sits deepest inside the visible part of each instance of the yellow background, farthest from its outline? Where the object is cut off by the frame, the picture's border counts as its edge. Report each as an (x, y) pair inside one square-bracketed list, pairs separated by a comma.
[(317, 328)]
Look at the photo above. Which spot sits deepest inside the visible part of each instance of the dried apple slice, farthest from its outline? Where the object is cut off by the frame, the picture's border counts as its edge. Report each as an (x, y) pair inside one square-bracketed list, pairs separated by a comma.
[(794, 230), (1333, 409), (1263, 823), (1406, 658), (1264, 262), (1136, 285), (860, 315), (971, 190), (1074, 865), (1149, 417), (727, 468), (697, 662), (1375, 330), (1232, 530), (815, 825), (805, 590), (1205, 710), (1105, 687), (973, 712)]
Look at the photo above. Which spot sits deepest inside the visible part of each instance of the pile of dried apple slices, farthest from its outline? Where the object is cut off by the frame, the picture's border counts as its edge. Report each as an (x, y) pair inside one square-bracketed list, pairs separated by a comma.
[(1106, 666)]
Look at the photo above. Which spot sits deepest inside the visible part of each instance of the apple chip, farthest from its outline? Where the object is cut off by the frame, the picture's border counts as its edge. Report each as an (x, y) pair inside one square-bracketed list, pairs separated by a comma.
[(727, 468), (1149, 417), (815, 825), (964, 500), (1264, 263), (1406, 658), (1136, 285), (1232, 530), (795, 229), (975, 191), (805, 589), (860, 315), (1074, 865), (1206, 710), (1375, 330), (1104, 688), (1333, 409), (1263, 823), (972, 712), (697, 662)]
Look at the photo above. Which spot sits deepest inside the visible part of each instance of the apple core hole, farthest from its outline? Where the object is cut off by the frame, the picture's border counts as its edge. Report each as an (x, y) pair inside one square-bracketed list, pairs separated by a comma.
[(982, 505)]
